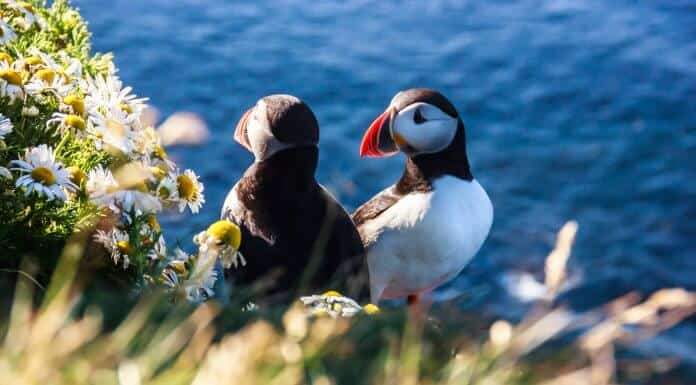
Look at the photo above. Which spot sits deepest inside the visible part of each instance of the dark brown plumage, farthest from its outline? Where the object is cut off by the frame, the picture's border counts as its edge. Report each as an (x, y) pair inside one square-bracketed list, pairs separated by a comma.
[(293, 231)]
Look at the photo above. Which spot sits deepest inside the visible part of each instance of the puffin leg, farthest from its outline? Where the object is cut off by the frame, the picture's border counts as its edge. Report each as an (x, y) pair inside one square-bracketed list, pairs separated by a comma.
[(418, 306), (414, 308)]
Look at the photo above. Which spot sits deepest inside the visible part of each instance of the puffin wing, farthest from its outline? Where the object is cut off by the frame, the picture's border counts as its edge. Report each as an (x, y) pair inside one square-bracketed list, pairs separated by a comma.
[(373, 209), (375, 206)]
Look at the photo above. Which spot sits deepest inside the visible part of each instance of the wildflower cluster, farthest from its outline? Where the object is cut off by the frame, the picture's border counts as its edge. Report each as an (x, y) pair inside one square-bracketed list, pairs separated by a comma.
[(75, 153), (333, 304)]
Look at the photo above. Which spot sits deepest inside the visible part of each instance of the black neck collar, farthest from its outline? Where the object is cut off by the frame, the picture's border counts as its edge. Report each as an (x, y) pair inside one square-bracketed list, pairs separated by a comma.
[(287, 171), (421, 170)]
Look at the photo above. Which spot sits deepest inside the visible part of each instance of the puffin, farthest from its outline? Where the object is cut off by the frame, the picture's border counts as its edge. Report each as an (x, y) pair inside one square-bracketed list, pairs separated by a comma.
[(296, 235), (421, 232)]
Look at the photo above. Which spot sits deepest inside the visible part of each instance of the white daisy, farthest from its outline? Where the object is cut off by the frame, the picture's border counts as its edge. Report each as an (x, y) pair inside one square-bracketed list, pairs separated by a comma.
[(25, 8), (334, 304), (100, 181), (11, 82), (111, 129), (146, 142), (139, 202), (195, 285), (117, 242), (73, 104), (108, 91), (71, 66), (189, 191), (5, 126), (200, 291), (5, 173), (169, 278), (103, 189), (159, 250), (43, 174), (222, 240), (67, 123), (6, 33), (167, 189), (46, 81)]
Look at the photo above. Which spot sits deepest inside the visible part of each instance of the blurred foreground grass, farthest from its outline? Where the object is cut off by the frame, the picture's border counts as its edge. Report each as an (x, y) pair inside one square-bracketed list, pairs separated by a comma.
[(62, 335)]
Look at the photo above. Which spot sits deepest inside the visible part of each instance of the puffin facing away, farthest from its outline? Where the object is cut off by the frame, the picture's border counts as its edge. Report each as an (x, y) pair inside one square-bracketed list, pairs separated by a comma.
[(296, 235), (422, 231)]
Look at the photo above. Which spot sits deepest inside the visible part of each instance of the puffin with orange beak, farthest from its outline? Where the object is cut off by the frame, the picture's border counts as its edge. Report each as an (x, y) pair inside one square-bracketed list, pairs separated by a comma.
[(295, 232), (422, 231)]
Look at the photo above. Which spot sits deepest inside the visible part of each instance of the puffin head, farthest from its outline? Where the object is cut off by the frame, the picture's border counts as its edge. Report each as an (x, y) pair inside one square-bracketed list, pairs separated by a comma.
[(418, 121), (275, 123)]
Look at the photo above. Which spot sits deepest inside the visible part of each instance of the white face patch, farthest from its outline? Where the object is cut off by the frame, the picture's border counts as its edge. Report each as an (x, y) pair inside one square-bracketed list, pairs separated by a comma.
[(261, 140), (426, 128)]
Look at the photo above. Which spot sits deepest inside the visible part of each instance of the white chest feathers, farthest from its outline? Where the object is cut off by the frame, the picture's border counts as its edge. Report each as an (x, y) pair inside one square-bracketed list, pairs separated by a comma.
[(426, 239)]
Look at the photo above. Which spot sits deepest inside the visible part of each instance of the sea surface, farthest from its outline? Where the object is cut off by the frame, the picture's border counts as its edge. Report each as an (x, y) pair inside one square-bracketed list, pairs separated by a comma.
[(582, 110)]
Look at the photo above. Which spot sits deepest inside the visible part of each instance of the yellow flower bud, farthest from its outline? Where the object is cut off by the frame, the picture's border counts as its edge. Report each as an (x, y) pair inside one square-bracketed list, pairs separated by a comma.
[(226, 232), (77, 176), (6, 58), (45, 74), (75, 122), (154, 224), (125, 247), (371, 308), (159, 152), (33, 60), (178, 266), (11, 76), (158, 173), (332, 293), (76, 102)]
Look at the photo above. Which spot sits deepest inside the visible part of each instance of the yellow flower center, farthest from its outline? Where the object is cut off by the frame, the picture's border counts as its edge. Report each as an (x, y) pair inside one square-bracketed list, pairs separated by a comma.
[(164, 192), (6, 58), (77, 176), (158, 173), (126, 108), (124, 247), (226, 232), (154, 224), (76, 102), (45, 74), (159, 152), (75, 122), (11, 76), (33, 60), (332, 293), (43, 175), (371, 308), (178, 266), (187, 188)]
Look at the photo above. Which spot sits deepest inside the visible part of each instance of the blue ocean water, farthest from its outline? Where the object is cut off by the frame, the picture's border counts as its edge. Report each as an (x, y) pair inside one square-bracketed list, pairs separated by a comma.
[(574, 110)]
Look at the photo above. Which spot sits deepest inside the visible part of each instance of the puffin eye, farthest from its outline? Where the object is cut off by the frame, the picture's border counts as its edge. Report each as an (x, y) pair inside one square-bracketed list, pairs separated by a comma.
[(418, 117)]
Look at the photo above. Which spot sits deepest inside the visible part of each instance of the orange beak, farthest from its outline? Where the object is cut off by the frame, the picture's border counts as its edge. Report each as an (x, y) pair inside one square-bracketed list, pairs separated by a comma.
[(240, 132), (377, 141)]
